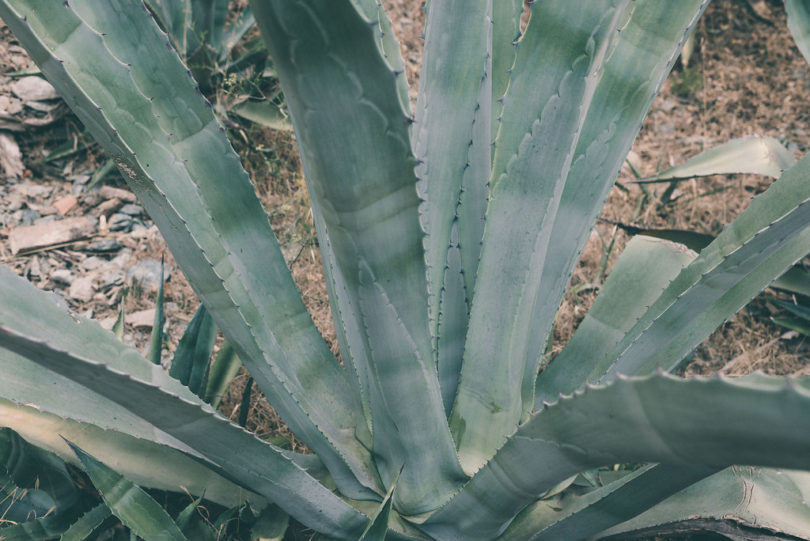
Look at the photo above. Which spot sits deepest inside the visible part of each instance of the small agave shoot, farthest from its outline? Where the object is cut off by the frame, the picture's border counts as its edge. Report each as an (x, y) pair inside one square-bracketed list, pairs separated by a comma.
[(448, 235)]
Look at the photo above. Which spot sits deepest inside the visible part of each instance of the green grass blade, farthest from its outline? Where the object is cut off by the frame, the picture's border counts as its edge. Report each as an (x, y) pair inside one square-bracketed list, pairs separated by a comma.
[(174, 155), (225, 367), (793, 324), (646, 267), (556, 72), (156, 338), (800, 310), (87, 524), (244, 403), (697, 423), (354, 139), (192, 357), (755, 155), (798, 20), (118, 326), (452, 143), (136, 509)]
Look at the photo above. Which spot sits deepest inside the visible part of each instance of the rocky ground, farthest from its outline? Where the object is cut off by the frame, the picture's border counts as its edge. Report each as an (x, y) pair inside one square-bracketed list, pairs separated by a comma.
[(68, 223)]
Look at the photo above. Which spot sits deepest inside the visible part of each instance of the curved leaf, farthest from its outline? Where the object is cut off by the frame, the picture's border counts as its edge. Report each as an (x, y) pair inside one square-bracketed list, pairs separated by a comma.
[(258, 466), (190, 363), (755, 155), (697, 422), (583, 516), (798, 20), (452, 145), (644, 269), (136, 509), (175, 155), (558, 66), (741, 500), (354, 139), (755, 249), (87, 524)]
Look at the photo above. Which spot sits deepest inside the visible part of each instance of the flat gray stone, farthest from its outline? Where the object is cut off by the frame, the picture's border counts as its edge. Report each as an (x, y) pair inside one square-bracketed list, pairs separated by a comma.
[(148, 272), (82, 289), (46, 234)]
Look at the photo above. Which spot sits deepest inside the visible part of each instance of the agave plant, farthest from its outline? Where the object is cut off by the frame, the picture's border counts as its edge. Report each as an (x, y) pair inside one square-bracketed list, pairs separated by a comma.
[(448, 236)]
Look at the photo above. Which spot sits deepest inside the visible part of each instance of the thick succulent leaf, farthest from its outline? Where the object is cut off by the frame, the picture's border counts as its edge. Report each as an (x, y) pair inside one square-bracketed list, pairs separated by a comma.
[(556, 72), (149, 464), (581, 516), (271, 525), (234, 31), (505, 33), (632, 75), (645, 268), (795, 280), (388, 44), (193, 354), (354, 141), (452, 143), (174, 17), (740, 500), (174, 155), (698, 423), (155, 346), (798, 19), (378, 526), (755, 155), (756, 248), (87, 524), (225, 367), (264, 112), (190, 23), (191, 524), (31, 468), (41, 529), (257, 466), (136, 509)]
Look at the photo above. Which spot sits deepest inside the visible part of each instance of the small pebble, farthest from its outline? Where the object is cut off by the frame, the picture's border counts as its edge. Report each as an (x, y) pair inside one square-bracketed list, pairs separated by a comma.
[(62, 276), (148, 272), (120, 222), (104, 245), (82, 289), (93, 263), (131, 210)]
